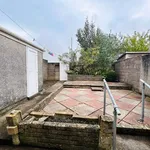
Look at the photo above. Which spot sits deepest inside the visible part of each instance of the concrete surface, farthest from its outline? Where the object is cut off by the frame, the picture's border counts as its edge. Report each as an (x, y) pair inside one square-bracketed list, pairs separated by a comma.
[(128, 142), (85, 102)]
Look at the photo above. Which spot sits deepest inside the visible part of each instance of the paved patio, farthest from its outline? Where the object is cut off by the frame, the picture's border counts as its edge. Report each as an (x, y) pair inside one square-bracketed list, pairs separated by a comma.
[(90, 103)]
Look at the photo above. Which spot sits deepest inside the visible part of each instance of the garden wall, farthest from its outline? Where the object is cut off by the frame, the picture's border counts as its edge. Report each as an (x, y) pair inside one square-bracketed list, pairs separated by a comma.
[(72, 77), (131, 70), (51, 71), (65, 131)]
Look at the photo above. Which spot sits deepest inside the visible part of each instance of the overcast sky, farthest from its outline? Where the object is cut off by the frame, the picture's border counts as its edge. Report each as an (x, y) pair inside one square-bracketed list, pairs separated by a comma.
[(54, 22)]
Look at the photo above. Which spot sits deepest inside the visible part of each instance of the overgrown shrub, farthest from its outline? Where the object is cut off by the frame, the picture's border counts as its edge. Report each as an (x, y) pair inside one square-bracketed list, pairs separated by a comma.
[(70, 72), (111, 76)]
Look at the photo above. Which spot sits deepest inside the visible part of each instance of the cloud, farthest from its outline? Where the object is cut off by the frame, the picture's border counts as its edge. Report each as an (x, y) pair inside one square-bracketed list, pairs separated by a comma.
[(137, 15), (85, 7), (95, 10), (143, 12)]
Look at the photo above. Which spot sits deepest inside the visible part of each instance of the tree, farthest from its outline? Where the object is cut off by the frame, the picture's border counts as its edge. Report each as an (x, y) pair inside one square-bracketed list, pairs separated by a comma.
[(69, 58), (88, 61), (98, 50), (99, 59), (136, 42), (109, 48), (86, 37)]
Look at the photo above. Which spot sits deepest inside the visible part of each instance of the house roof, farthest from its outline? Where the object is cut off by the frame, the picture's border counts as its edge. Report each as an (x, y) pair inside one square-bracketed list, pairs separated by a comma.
[(13, 35), (132, 53)]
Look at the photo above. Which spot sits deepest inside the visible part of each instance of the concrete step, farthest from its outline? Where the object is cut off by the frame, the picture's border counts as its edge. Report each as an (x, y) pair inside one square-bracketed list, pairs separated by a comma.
[(99, 84), (93, 88)]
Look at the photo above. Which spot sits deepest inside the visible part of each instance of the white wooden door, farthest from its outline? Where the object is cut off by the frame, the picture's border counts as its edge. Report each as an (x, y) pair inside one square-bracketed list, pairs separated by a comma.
[(32, 72)]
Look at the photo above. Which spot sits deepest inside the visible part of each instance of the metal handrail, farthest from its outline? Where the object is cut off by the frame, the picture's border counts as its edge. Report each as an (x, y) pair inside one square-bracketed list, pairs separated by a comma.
[(143, 98), (116, 111), (145, 83), (111, 97)]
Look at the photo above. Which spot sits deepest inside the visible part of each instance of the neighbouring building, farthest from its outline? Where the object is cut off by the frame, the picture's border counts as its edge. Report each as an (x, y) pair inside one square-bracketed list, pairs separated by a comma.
[(21, 72), (54, 71)]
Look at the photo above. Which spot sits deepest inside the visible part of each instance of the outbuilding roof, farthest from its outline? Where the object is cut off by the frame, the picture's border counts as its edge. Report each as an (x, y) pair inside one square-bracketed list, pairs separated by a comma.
[(132, 53), (13, 35)]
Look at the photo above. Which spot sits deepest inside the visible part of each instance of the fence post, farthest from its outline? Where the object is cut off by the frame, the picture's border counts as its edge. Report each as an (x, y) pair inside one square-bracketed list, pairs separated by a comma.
[(143, 101), (104, 111)]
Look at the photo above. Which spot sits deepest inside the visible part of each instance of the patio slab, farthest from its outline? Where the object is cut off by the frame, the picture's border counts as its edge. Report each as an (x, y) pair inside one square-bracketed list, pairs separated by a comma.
[(86, 102), (69, 102), (129, 101), (83, 109), (51, 108)]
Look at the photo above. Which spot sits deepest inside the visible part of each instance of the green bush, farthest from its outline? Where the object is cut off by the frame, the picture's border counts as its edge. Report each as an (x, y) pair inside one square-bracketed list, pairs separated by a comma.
[(111, 76), (70, 72)]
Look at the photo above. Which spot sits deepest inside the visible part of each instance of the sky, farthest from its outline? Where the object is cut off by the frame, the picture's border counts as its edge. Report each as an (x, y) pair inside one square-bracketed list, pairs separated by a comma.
[(54, 22)]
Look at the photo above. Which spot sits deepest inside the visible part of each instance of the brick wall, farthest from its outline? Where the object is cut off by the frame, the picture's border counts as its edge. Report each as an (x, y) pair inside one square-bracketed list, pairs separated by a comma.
[(132, 69), (65, 131), (84, 78), (128, 71), (51, 71)]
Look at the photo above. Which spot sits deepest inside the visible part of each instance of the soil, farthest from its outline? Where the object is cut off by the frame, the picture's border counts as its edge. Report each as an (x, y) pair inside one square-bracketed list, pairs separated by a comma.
[(128, 142)]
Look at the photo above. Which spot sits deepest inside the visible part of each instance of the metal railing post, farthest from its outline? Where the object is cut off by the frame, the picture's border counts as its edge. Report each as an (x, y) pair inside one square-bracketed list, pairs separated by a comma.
[(116, 111), (143, 101), (104, 111), (143, 98), (114, 129)]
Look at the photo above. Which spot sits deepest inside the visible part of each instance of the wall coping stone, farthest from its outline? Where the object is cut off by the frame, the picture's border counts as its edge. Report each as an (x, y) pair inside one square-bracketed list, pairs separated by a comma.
[(64, 117), (106, 118)]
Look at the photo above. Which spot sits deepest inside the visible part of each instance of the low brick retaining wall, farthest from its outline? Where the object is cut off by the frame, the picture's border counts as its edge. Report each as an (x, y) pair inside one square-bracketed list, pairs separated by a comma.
[(72, 77), (66, 132)]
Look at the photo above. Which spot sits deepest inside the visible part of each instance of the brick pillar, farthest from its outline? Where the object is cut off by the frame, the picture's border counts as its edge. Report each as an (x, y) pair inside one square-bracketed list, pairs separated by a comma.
[(13, 120), (106, 133)]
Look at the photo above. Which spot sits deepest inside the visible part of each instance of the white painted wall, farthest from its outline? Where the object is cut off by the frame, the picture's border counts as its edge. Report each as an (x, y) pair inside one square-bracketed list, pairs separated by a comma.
[(63, 74)]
